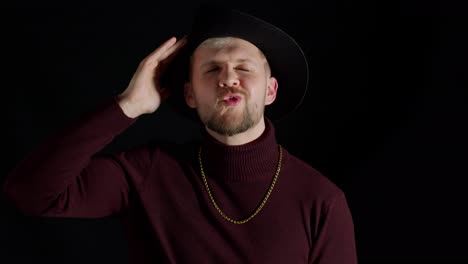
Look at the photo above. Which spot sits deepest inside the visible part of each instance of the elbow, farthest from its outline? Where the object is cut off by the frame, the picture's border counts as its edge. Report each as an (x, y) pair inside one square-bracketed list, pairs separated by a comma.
[(19, 200), (23, 200)]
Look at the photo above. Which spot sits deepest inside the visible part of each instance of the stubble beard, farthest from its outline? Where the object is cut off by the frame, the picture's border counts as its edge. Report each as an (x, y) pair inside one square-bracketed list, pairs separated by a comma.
[(229, 124)]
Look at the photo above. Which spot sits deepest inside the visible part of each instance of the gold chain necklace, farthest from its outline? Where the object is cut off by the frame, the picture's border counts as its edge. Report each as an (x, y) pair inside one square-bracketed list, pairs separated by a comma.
[(238, 222)]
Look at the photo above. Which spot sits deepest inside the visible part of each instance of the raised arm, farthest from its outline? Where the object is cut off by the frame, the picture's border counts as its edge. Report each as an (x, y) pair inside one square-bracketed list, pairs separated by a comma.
[(65, 177)]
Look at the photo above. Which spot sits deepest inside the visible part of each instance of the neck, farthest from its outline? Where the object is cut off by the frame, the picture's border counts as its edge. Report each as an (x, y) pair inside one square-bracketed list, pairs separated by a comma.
[(241, 138), (256, 160)]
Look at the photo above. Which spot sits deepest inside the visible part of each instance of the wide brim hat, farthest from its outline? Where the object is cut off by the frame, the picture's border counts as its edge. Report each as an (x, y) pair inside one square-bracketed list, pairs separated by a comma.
[(286, 58)]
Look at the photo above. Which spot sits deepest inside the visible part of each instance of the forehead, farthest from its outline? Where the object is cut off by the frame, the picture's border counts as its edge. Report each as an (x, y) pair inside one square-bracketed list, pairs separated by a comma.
[(226, 49)]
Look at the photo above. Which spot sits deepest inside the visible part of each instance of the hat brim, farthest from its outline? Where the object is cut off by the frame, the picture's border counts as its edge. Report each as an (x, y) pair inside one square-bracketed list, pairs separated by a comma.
[(286, 58)]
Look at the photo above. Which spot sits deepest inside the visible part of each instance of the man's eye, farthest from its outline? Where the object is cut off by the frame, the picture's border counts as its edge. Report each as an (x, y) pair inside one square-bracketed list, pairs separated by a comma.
[(212, 70), (243, 69)]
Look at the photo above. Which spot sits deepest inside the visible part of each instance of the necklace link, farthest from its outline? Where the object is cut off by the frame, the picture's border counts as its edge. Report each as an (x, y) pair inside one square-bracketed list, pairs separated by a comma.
[(259, 208)]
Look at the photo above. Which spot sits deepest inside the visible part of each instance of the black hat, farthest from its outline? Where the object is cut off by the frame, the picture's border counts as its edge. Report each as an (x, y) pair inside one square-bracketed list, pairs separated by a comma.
[(286, 59)]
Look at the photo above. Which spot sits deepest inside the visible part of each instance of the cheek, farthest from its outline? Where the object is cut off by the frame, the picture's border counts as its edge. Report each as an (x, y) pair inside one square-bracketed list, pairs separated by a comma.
[(204, 83), (257, 86), (204, 93)]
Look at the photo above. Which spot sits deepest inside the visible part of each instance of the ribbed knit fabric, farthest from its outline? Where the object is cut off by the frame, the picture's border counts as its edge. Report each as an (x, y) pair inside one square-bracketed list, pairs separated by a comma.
[(253, 161), (168, 216)]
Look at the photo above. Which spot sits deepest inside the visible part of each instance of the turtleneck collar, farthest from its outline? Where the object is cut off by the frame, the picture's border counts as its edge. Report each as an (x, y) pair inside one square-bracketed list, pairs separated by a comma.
[(256, 160)]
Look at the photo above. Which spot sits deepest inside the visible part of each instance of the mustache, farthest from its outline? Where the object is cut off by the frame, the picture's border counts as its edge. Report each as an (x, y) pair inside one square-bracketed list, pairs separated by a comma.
[(232, 90)]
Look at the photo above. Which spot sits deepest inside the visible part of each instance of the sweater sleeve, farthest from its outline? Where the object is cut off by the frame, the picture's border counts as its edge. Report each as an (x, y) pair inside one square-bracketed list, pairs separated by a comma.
[(335, 242), (64, 176)]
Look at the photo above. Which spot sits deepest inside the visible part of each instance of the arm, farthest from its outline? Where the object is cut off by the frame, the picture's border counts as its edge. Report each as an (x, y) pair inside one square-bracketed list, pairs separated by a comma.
[(335, 241), (65, 177)]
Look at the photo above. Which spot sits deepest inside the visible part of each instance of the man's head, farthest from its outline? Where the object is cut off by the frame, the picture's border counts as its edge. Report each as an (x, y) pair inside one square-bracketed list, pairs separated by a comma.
[(285, 62), (230, 84)]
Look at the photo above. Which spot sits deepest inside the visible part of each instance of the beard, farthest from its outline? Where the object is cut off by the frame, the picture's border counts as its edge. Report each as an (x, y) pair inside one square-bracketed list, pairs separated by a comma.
[(227, 122), (227, 125)]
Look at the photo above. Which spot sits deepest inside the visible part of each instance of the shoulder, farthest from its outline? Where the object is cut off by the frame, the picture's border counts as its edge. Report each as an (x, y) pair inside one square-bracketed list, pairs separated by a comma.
[(167, 150), (156, 151), (307, 180)]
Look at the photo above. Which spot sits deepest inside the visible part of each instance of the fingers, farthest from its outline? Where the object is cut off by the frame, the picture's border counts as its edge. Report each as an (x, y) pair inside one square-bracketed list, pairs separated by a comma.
[(170, 46), (170, 53), (161, 49)]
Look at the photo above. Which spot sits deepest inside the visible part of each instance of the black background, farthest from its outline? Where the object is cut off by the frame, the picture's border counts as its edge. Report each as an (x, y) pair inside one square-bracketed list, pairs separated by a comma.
[(384, 118)]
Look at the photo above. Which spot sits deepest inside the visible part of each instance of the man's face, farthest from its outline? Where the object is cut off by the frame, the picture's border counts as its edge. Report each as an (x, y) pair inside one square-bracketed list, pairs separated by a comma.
[(230, 85)]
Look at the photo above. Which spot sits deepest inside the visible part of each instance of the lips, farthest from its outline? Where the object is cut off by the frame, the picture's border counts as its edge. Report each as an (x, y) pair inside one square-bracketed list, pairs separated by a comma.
[(232, 99)]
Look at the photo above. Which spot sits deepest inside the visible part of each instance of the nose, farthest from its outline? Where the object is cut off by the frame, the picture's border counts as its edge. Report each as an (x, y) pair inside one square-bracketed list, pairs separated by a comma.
[(228, 78)]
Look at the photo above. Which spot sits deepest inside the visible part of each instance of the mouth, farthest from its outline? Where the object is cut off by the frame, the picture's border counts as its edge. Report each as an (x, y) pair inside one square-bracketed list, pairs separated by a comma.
[(232, 99)]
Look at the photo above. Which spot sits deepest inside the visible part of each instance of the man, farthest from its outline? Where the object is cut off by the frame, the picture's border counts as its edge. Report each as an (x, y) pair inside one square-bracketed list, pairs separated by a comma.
[(237, 196)]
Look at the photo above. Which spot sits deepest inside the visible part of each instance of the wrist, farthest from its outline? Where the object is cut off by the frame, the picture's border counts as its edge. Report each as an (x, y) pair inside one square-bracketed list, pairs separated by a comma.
[(130, 108)]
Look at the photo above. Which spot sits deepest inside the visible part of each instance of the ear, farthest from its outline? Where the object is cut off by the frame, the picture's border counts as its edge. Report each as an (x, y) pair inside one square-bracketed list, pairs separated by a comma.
[(188, 94), (271, 90)]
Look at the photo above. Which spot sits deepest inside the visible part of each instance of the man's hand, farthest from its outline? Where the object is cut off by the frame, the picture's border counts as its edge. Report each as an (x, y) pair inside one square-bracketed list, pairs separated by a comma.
[(144, 93)]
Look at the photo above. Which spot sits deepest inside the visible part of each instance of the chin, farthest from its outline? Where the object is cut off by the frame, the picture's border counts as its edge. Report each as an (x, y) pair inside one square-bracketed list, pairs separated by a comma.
[(230, 125)]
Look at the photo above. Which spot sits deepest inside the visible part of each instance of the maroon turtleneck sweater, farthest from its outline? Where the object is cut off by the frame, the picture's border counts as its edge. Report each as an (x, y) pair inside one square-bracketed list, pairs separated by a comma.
[(159, 193)]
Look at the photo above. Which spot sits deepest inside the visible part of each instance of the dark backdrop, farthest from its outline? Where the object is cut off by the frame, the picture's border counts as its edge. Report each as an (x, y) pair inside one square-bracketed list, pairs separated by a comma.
[(385, 116)]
